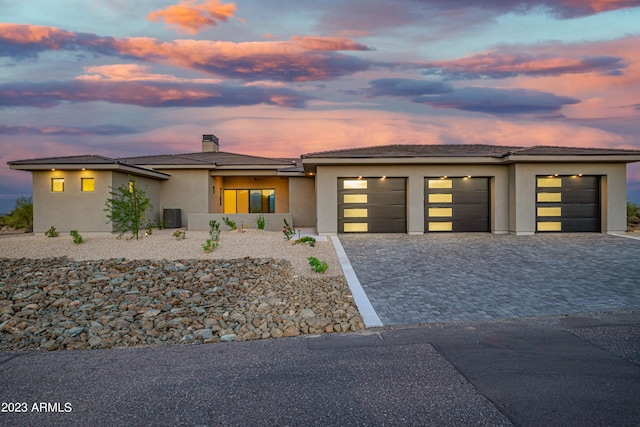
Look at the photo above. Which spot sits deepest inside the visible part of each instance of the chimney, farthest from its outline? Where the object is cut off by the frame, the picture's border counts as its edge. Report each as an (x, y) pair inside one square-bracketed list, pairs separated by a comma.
[(210, 144)]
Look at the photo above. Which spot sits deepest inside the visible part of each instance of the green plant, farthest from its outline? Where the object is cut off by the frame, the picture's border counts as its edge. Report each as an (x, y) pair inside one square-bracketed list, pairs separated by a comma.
[(77, 238), (52, 232), (231, 224), (179, 234), (261, 221), (158, 224), (214, 237), (127, 207), (288, 230), (149, 231), (633, 213), (209, 245), (317, 265), (22, 215), (306, 239)]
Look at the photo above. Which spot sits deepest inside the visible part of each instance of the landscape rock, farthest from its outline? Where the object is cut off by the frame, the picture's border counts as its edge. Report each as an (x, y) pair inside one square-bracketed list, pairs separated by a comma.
[(61, 304)]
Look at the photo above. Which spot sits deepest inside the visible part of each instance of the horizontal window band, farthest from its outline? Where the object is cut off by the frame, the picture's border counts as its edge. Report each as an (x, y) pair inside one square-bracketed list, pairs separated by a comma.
[(351, 227), (549, 197), (549, 182), (355, 198), (440, 212), (350, 184), (440, 226), (440, 183), (549, 226), (356, 213), (440, 198), (549, 211)]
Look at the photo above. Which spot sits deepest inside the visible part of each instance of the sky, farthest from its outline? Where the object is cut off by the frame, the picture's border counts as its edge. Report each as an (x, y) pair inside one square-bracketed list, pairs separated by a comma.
[(281, 78)]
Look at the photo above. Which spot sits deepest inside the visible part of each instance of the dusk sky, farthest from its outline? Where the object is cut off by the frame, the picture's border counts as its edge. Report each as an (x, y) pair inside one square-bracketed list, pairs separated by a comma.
[(282, 78)]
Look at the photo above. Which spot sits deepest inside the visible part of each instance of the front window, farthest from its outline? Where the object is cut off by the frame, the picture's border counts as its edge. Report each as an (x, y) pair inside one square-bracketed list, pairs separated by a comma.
[(88, 184), (57, 185), (249, 201)]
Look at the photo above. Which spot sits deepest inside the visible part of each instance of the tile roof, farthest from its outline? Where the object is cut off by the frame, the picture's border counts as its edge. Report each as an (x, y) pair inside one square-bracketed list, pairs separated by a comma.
[(417, 150), (219, 158), (67, 160), (464, 150)]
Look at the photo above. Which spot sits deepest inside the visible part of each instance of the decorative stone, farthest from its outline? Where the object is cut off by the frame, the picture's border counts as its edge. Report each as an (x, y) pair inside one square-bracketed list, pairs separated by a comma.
[(228, 337)]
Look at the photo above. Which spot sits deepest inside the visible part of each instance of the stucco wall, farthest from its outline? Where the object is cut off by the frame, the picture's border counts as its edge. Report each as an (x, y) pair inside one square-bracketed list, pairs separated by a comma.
[(327, 191), (187, 190), (273, 221), (71, 209), (612, 193), (151, 188), (302, 201)]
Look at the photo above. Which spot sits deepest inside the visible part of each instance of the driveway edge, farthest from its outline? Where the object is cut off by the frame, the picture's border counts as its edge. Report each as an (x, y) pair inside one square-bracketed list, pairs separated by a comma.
[(369, 315)]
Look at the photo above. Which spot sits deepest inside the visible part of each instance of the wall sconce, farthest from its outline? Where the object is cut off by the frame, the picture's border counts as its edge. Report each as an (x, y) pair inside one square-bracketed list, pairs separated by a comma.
[(383, 177)]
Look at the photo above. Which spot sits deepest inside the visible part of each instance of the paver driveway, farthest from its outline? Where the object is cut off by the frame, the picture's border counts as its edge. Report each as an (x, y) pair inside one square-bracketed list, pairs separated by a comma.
[(448, 277)]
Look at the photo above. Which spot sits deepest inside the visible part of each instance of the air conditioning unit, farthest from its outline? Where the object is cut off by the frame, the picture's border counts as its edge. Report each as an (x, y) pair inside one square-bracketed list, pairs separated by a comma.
[(172, 218)]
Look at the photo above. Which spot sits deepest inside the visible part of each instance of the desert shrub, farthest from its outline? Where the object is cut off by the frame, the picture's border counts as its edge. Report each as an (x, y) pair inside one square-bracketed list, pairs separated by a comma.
[(127, 208), (52, 232), (22, 215)]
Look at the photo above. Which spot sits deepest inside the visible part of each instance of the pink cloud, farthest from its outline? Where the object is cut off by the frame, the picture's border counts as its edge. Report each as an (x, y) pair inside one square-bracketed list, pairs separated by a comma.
[(191, 17), (299, 59)]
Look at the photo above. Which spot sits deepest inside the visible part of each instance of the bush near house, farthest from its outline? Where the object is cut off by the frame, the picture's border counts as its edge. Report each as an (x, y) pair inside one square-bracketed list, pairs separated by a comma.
[(633, 215), (21, 216), (127, 208)]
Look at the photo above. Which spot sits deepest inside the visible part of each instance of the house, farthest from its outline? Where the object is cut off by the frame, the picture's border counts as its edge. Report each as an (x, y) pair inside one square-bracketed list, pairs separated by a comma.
[(412, 189)]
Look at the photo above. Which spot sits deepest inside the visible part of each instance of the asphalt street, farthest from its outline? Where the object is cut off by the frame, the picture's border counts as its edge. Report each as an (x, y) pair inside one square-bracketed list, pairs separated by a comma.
[(567, 370)]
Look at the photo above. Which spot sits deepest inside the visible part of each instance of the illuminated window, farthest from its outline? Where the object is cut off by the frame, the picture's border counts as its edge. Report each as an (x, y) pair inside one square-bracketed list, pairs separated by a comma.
[(249, 201), (440, 198), (550, 182), (57, 185), (440, 183), (355, 198), (354, 184), (440, 226), (361, 227), (440, 212), (550, 197), (356, 213), (550, 226), (549, 211), (87, 184)]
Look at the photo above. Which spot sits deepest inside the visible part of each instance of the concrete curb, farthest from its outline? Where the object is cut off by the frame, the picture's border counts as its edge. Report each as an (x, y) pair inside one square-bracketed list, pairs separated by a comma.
[(369, 315)]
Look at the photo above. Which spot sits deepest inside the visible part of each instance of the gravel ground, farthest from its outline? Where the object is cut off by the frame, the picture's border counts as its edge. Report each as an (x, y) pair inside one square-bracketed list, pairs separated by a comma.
[(162, 245), (108, 292)]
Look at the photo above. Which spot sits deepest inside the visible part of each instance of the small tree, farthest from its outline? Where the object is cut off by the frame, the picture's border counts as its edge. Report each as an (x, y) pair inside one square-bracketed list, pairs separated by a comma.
[(127, 208), (22, 214)]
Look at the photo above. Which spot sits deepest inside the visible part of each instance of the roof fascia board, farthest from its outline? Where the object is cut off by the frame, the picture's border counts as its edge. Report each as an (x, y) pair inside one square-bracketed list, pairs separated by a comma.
[(134, 170), (400, 160), (244, 172), (612, 158)]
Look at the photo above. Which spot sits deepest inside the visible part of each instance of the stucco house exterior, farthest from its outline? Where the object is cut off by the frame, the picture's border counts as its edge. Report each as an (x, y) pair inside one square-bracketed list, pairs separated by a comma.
[(412, 189)]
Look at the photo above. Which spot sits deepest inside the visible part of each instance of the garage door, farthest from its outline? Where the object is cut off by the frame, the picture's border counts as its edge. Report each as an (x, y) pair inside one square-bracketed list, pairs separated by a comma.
[(568, 203), (372, 205), (456, 204)]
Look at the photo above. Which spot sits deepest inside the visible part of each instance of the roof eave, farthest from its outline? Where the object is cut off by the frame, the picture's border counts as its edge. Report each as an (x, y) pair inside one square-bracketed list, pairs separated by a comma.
[(595, 158), (117, 167)]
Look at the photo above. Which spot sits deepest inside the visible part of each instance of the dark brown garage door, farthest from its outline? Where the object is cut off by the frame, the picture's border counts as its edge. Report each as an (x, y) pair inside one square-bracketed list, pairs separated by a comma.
[(372, 205), (456, 204), (568, 203)]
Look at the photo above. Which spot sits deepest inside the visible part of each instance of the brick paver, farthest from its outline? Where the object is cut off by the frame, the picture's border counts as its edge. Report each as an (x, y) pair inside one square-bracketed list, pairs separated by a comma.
[(448, 277)]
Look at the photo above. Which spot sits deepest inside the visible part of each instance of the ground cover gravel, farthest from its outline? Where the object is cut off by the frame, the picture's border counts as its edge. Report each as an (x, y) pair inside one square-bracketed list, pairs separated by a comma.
[(109, 292)]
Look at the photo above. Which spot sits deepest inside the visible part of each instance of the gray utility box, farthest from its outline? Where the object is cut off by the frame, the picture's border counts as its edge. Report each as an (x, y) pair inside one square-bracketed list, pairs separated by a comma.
[(171, 218)]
